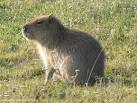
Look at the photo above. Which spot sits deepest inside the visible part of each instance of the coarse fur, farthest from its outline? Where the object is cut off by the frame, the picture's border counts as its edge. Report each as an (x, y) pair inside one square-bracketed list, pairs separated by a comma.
[(72, 54)]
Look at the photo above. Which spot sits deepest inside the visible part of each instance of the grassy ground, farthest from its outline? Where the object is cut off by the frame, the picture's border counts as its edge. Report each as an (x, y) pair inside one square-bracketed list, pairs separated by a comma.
[(112, 22)]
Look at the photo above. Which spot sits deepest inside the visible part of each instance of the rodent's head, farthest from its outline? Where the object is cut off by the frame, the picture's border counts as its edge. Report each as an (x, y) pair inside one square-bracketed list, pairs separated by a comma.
[(40, 27)]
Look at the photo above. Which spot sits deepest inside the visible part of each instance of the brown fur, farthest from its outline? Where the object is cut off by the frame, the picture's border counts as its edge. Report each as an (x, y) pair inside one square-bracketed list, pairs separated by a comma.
[(72, 54)]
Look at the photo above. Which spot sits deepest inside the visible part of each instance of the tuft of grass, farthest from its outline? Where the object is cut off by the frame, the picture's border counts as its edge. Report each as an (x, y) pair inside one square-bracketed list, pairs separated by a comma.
[(112, 22)]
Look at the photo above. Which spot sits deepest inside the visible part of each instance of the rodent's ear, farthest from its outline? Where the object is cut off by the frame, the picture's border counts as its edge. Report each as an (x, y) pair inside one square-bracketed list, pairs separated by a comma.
[(51, 18)]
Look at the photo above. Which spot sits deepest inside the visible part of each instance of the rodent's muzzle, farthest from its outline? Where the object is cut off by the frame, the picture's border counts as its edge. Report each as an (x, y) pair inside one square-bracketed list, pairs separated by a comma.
[(26, 32), (25, 28)]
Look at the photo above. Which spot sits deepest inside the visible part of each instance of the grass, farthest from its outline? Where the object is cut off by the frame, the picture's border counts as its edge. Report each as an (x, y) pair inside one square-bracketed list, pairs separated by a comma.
[(112, 22)]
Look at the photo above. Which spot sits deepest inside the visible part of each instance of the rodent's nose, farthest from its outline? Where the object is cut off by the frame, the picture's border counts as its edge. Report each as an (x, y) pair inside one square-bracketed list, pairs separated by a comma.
[(25, 28)]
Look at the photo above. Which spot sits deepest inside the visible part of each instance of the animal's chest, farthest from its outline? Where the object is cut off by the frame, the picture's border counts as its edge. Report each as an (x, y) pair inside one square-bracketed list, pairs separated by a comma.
[(43, 55), (56, 59)]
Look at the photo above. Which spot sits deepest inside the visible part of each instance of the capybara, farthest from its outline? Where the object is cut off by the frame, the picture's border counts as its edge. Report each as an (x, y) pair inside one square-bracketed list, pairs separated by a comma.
[(67, 54)]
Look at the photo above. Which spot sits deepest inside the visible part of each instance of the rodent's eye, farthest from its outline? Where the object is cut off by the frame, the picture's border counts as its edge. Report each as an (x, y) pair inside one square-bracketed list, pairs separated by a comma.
[(39, 22)]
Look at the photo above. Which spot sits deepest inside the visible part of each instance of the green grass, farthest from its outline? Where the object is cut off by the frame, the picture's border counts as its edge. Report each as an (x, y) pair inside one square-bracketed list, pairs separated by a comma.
[(112, 22)]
